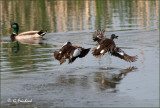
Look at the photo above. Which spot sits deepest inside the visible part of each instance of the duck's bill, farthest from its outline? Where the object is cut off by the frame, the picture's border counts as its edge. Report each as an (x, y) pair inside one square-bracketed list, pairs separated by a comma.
[(116, 37)]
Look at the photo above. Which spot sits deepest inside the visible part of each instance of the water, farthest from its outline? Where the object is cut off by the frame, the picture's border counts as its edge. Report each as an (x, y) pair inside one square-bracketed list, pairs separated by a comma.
[(31, 72)]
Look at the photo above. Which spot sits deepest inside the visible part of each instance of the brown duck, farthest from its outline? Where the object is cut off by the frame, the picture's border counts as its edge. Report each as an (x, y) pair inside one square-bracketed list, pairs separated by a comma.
[(107, 45), (71, 52)]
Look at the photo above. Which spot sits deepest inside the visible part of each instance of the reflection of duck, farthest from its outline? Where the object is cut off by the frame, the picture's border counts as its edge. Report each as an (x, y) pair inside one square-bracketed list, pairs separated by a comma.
[(15, 47), (111, 80), (104, 80), (31, 41), (71, 52), (25, 35), (106, 45)]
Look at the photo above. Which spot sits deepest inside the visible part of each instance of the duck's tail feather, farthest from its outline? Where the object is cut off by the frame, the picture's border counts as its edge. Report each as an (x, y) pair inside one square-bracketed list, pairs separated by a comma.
[(42, 32)]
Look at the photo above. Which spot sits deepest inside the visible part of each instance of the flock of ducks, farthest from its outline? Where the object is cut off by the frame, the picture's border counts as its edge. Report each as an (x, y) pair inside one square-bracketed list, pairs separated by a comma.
[(71, 51)]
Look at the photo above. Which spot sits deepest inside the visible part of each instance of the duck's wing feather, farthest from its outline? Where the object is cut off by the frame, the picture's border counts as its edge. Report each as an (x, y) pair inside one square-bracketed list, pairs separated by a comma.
[(62, 60), (125, 56), (56, 55), (59, 57), (96, 53), (105, 45), (84, 52), (28, 33), (130, 58), (71, 60)]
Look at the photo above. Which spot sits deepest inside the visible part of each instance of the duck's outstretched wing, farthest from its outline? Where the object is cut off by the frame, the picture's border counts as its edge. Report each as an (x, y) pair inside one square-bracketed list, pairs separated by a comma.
[(84, 52), (56, 55), (122, 55), (59, 57)]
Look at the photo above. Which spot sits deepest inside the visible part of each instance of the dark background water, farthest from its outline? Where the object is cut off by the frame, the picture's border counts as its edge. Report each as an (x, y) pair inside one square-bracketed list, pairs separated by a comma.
[(30, 71)]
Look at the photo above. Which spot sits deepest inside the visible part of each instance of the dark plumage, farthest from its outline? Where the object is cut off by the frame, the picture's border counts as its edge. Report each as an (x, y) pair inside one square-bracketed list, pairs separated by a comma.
[(71, 52), (106, 45)]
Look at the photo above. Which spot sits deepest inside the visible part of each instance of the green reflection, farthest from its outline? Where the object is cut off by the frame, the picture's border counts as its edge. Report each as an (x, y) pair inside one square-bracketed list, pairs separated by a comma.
[(61, 16), (15, 47)]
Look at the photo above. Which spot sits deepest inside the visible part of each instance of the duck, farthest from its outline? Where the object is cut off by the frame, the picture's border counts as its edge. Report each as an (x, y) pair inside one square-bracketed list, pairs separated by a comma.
[(25, 35), (70, 51), (107, 45), (104, 44)]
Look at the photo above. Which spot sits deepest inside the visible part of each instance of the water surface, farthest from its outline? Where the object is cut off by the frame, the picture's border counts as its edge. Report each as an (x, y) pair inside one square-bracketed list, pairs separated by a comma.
[(30, 71)]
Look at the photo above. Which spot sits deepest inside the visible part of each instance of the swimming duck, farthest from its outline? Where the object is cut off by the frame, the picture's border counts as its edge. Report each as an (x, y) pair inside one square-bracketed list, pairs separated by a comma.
[(107, 45), (25, 35), (71, 52)]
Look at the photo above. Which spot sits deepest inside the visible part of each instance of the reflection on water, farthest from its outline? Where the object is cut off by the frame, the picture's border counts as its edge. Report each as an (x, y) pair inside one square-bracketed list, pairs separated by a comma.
[(15, 47), (110, 80), (105, 80), (61, 16), (29, 69)]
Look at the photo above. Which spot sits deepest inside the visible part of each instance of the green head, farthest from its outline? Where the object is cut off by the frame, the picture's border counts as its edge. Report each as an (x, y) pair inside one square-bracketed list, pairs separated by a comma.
[(15, 27)]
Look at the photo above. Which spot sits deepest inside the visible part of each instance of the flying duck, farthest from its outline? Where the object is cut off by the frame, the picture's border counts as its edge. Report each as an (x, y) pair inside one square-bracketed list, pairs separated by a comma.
[(71, 52), (104, 44), (25, 35), (107, 45)]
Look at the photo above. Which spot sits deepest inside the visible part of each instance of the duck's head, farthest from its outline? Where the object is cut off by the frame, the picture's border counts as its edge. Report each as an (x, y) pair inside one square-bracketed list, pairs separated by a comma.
[(15, 27), (113, 36), (98, 37), (67, 43)]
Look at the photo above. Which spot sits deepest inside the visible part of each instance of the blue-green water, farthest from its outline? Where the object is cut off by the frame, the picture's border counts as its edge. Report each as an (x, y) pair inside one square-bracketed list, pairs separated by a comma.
[(31, 72)]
